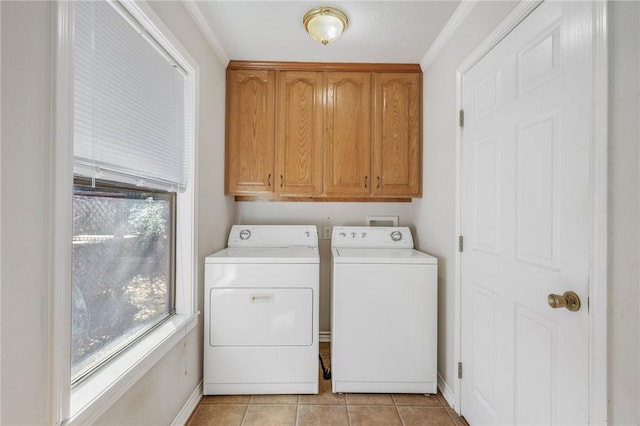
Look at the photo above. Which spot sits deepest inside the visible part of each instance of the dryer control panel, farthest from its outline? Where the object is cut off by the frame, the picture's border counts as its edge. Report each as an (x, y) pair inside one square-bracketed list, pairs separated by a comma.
[(265, 236), (372, 237)]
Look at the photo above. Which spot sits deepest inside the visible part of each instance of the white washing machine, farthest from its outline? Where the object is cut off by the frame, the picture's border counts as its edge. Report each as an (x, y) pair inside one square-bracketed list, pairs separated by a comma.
[(261, 312), (384, 312)]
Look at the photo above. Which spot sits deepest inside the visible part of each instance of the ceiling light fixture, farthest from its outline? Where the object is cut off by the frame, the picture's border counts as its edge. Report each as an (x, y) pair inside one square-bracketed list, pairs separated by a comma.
[(325, 24)]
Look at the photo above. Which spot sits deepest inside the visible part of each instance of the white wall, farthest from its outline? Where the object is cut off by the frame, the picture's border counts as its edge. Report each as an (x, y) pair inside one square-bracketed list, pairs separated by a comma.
[(25, 267), (434, 215), (624, 213), (0, 215), (324, 214), (26, 137)]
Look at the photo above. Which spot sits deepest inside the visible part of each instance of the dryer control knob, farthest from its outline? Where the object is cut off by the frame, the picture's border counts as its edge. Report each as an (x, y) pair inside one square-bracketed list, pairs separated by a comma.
[(245, 234), (396, 235)]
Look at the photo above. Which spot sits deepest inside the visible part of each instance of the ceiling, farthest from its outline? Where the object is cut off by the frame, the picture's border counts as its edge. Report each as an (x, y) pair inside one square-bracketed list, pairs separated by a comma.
[(379, 31)]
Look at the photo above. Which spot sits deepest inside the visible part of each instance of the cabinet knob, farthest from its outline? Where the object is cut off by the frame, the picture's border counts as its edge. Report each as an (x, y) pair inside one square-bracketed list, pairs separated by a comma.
[(269, 180), (366, 181), (378, 182), (281, 181)]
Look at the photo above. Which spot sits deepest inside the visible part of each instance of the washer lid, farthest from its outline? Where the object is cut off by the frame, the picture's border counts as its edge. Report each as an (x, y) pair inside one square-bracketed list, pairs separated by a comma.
[(382, 256), (265, 255)]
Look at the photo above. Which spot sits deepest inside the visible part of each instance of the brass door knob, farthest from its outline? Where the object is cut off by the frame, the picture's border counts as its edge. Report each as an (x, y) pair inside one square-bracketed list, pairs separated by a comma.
[(568, 300)]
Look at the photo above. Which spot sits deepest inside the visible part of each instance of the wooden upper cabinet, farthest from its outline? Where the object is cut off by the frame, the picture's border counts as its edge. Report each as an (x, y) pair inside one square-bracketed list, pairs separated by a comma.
[(323, 131), (250, 131), (299, 125), (347, 137), (397, 139)]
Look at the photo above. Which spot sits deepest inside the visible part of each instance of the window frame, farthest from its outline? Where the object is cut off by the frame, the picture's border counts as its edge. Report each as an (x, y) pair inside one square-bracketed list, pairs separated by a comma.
[(88, 400)]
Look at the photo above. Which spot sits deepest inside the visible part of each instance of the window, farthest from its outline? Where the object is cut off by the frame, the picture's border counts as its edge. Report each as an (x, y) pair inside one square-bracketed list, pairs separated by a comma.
[(126, 149), (123, 270), (130, 167)]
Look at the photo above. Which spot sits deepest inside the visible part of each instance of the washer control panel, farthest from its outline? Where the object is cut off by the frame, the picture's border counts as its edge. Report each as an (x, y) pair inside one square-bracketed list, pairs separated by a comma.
[(371, 237)]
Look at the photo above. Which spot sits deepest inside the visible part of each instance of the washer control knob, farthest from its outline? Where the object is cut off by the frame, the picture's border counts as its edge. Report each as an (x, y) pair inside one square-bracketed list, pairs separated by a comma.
[(364, 234), (396, 235), (245, 234), (342, 234), (353, 235)]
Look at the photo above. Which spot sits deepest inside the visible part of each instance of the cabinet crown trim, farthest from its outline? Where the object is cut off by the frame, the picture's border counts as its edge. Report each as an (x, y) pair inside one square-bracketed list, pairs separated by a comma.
[(323, 66)]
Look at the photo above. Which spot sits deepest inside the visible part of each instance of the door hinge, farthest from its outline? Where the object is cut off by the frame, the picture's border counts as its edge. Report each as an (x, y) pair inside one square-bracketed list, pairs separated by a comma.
[(461, 118), (459, 370), (460, 243)]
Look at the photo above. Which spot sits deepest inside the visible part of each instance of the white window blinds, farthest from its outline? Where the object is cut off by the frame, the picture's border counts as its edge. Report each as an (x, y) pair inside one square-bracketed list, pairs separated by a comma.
[(129, 102)]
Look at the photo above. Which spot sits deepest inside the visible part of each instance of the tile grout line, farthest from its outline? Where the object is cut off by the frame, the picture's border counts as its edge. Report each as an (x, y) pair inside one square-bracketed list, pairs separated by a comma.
[(395, 405), (246, 408), (450, 417), (401, 419)]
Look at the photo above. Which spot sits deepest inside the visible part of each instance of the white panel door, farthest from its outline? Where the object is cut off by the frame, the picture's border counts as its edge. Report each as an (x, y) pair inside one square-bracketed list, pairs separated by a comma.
[(525, 221)]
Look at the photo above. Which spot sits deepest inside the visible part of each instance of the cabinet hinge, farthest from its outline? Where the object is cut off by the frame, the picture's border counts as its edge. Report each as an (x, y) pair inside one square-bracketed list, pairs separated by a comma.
[(460, 243), (459, 370), (461, 118)]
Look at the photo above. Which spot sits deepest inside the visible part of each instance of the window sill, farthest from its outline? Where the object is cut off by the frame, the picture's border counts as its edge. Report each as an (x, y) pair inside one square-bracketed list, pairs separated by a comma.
[(91, 398)]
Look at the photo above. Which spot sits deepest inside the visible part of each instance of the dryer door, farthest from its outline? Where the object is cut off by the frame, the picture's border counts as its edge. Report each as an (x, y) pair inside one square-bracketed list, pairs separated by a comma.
[(261, 317)]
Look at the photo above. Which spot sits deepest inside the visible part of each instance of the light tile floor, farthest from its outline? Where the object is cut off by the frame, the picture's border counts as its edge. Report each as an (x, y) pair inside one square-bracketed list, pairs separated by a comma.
[(326, 408)]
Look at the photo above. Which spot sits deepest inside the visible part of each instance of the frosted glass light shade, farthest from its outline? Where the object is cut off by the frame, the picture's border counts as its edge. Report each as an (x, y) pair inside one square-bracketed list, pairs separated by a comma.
[(325, 24)]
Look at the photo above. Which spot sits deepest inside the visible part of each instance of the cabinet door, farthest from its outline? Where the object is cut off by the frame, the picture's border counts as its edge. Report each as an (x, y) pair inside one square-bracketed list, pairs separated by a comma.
[(250, 131), (397, 138), (348, 134), (299, 133)]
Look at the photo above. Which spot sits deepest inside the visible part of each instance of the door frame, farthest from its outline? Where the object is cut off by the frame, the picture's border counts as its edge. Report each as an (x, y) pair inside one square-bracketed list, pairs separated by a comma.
[(597, 302)]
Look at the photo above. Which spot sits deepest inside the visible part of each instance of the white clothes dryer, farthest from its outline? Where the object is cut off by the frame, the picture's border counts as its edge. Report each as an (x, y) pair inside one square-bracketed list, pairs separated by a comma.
[(384, 312), (261, 312)]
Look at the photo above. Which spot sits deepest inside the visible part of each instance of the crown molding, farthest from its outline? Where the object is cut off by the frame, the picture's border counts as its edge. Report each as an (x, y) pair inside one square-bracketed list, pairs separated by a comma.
[(447, 32), (206, 30)]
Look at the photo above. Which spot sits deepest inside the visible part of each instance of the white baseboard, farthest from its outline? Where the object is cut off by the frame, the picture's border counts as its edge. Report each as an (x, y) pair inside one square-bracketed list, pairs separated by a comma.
[(325, 336), (447, 393), (189, 407)]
